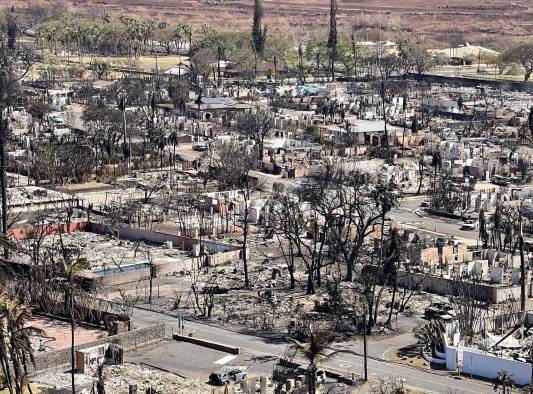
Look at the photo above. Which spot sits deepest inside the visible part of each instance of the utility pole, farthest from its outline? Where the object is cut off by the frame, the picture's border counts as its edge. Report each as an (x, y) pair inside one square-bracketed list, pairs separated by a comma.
[(522, 267), (127, 147), (365, 361), (404, 120)]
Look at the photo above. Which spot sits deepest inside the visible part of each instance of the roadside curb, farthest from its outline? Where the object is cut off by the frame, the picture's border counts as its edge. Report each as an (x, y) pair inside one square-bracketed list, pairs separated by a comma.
[(206, 343)]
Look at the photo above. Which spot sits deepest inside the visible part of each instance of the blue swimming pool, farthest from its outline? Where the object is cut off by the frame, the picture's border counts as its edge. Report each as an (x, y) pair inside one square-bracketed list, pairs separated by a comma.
[(125, 268)]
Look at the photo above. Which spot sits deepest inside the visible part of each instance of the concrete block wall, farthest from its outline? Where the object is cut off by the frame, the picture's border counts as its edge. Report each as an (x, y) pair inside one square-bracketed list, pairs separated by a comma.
[(166, 268), (178, 241), (129, 340), (135, 234), (444, 286), (123, 277)]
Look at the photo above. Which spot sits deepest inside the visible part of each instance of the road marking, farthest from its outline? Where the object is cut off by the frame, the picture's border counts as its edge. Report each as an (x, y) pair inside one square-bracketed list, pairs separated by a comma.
[(225, 359), (375, 364)]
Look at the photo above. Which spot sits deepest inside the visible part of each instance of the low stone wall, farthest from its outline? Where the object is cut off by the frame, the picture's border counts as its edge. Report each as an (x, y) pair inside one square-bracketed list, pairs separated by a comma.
[(129, 340)]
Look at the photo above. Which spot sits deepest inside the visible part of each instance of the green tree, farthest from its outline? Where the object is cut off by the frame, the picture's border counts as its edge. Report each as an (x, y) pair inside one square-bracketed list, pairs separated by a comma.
[(258, 33), (440, 59), (275, 51), (167, 39), (332, 38), (38, 109), (430, 334), (504, 382), (314, 350), (100, 68), (413, 57), (390, 268), (12, 29), (16, 352), (318, 53), (521, 54), (51, 69), (202, 63)]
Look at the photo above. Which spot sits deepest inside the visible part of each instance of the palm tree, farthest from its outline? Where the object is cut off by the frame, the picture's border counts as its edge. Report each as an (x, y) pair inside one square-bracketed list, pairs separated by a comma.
[(504, 382), (174, 137), (483, 234), (390, 268), (386, 200), (15, 345), (314, 350), (6, 245), (497, 227), (430, 334), (72, 268)]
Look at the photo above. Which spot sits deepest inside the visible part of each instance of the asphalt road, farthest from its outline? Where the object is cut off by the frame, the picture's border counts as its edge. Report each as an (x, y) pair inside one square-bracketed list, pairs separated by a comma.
[(409, 215), (430, 382)]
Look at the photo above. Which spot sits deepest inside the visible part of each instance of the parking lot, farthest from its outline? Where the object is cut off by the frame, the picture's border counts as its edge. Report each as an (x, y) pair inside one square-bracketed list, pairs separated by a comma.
[(195, 361)]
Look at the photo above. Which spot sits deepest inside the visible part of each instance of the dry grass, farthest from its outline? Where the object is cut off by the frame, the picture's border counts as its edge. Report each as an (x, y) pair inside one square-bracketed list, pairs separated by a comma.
[(433, 19), (145, 63), (410, 356)]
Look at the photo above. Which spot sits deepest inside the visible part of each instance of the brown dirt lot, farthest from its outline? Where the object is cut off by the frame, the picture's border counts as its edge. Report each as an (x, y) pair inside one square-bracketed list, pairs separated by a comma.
[(56, 333)]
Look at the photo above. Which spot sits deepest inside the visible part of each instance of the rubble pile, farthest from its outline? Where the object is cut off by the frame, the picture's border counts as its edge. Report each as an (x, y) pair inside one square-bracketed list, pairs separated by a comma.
[(102, 251), (119, 378)]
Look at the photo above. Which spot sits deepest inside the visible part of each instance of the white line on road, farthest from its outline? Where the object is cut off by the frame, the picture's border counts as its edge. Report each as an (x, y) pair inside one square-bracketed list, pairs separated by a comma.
[(225, 359)]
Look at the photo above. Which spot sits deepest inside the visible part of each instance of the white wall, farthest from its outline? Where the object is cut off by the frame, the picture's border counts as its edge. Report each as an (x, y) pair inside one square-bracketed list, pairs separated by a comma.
[(451, 358), (487, 365)]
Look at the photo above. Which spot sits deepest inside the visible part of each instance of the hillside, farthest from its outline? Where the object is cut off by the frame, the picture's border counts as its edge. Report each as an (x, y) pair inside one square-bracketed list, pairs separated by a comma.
[(475, 21)]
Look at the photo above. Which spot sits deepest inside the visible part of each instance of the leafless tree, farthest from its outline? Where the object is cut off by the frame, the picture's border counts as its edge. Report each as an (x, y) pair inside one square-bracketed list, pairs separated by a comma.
[(233, 171), (469, 308), (202, 291), (386, 65), (279, 224), (257, 126)]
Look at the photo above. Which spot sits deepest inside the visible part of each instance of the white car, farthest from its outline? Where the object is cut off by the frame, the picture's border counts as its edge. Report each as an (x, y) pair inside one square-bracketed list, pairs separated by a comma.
[(469, 225)]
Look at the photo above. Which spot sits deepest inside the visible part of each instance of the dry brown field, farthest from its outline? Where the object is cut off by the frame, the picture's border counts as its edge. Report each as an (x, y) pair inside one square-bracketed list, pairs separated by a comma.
[(479, 21)]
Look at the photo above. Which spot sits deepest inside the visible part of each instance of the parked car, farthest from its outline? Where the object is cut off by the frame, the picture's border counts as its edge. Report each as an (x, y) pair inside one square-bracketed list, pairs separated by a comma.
[(436, 313), (443, 306), (425, 203), (500, 180), (469, 224), (199, 147), (214, 290), (224, 376)]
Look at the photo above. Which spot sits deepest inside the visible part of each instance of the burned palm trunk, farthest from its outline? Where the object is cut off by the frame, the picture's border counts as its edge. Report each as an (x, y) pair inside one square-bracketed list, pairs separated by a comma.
[(3, 182)]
